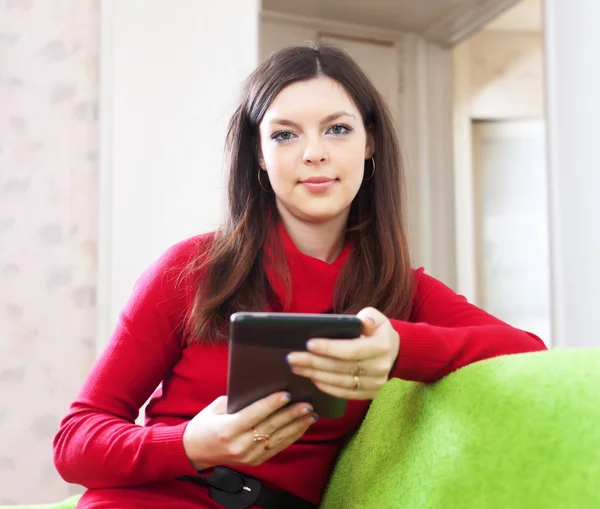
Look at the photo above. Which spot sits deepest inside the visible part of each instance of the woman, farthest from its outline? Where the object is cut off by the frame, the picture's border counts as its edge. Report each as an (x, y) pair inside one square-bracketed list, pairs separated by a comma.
[(315, 225)]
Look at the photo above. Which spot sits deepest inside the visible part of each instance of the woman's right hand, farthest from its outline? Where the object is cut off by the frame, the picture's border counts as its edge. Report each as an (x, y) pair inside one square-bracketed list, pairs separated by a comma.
[(214, 437)]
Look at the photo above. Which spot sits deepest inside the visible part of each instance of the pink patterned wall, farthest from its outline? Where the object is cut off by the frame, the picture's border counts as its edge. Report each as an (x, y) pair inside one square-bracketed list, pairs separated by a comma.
[(48, 222)]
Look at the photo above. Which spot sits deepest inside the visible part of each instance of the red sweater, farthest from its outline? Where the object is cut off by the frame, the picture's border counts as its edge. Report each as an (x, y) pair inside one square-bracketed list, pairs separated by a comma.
[(100, 447)]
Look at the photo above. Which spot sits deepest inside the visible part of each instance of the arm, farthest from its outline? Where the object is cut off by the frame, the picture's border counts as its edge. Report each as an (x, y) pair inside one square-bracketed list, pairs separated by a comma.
[(98, 443), (446, 333)]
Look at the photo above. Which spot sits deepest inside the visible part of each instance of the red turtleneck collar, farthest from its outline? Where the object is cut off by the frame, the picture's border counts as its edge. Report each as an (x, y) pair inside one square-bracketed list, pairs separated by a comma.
[(313, 280)]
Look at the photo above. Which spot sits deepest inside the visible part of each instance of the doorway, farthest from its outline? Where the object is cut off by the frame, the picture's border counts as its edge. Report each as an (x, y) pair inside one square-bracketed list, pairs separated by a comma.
[(511, 223)]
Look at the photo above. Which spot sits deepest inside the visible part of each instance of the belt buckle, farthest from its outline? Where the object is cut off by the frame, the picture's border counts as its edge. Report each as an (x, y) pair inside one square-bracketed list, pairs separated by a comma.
[(245, 498)]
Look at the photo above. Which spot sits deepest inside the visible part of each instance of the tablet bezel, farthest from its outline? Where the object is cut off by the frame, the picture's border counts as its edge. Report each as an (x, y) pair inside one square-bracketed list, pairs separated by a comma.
[(258, 345)]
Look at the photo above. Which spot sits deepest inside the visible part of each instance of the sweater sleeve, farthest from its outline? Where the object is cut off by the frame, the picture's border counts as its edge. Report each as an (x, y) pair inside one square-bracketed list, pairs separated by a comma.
[(98, 444), (446, 333)]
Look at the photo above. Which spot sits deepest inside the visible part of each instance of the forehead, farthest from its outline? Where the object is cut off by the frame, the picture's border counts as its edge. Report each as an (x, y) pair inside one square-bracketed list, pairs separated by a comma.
[(309, 99)]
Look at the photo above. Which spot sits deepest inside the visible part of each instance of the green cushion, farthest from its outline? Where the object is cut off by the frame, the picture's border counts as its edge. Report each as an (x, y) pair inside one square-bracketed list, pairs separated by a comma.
[(69, 503), (520, 431)]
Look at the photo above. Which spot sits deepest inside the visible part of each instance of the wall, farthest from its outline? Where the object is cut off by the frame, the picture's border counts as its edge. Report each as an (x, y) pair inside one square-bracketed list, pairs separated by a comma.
[(170, 81), (498, 75), (506, 73), (48, 217), (501, 177), (572, 40)]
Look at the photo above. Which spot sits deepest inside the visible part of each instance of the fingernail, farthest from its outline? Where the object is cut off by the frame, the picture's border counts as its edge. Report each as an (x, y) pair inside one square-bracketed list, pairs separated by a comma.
[(288, 358), (310, 345), (315, 417), (286, 398), (307, 410)]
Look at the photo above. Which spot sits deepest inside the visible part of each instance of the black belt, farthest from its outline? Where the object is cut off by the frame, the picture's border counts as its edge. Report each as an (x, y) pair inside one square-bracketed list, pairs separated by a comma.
[(234, 490)]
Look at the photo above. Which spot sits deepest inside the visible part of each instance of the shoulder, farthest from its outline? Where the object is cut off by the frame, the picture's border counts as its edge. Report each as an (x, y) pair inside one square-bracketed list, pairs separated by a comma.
[(180, 254), (434, 299), (426, 286), (166, 273), (418, 276), (425, 283)]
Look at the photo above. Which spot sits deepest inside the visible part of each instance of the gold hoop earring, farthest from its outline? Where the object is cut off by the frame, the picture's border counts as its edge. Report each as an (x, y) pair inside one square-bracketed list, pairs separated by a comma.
[(373, 172), (259, 182)]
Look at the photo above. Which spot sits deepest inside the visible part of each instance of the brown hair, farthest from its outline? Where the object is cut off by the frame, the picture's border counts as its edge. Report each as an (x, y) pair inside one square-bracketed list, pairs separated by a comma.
[(232, 277)]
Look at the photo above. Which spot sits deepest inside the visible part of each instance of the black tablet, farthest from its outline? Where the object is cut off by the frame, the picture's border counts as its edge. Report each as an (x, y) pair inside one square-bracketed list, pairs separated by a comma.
[(258, 345)]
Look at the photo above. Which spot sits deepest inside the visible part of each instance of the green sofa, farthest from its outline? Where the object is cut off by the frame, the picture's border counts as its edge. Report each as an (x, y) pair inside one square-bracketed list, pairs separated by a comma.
[(520, 431), (514, 432)]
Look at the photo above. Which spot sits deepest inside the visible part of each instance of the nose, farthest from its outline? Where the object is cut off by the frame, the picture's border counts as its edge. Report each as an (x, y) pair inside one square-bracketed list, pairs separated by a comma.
[(314, 152)]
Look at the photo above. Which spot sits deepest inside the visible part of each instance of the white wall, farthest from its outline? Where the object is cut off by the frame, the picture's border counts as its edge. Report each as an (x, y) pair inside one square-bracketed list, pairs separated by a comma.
[(510, 182), (276, 34), (170, 76), (498, 75), (506, 75), (573, 82)]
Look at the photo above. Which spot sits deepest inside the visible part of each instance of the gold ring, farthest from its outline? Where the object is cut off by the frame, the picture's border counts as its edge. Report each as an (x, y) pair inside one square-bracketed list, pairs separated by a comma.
[(356, 383), (259, 437)]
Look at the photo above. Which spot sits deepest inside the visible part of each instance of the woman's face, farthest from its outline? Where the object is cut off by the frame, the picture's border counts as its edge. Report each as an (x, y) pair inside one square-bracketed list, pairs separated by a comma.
[(313, 144)]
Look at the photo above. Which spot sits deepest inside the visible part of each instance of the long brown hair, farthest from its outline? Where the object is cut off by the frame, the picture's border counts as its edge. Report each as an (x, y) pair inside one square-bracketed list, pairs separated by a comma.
[(231, 273)]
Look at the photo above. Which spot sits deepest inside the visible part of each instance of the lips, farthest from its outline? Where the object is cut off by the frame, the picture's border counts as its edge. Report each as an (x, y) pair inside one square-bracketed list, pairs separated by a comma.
[(318, 185), (317, 180)]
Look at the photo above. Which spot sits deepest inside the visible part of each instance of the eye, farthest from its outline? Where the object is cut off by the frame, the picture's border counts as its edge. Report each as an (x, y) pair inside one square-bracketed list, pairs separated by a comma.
[(340, 130), (283, 136)]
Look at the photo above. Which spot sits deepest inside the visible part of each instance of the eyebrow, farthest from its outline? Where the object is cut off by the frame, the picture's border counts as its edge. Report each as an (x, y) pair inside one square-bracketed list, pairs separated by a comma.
[(326, 120)]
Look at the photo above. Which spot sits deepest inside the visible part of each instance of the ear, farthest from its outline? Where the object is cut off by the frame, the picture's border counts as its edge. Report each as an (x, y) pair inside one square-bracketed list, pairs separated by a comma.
[(370, 145), (259, 154)]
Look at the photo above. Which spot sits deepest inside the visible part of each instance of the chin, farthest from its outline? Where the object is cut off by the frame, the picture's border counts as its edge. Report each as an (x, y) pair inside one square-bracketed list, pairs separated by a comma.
[(314, 216), (314, 210)]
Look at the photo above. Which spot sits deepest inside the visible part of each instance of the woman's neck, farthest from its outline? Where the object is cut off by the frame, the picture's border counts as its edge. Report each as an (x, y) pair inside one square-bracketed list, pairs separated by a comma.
[(323, 241)]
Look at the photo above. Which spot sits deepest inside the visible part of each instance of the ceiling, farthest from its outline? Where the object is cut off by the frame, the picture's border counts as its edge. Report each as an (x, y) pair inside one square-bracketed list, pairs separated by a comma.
[(414, 15), (445, 22)]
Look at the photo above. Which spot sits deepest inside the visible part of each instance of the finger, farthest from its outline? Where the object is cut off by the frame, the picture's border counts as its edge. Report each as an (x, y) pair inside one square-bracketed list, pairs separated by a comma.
[(219, 405), (371, 319), (294, 430), (284, 417), (314, 362), (257, 412), (351, 350), (377, 369), (341, 392), (309, 360), (286, 436), (277, 441), (344, 381)]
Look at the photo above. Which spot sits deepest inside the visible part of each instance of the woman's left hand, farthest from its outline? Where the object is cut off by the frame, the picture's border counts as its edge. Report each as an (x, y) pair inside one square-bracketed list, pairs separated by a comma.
[(354, 368)]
